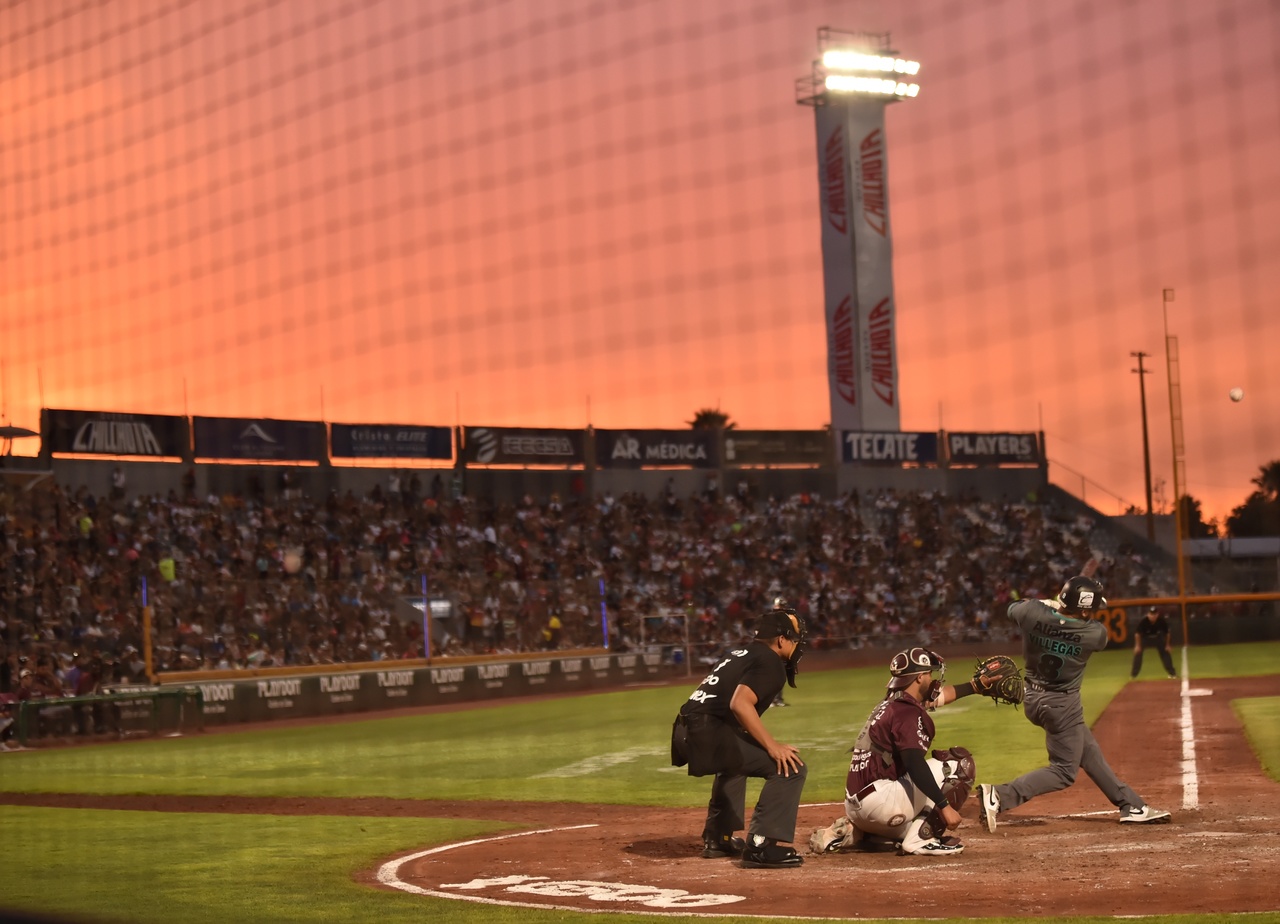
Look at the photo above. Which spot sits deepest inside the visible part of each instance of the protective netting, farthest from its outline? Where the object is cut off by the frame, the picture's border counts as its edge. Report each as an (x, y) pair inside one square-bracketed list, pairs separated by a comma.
[(522, 213)]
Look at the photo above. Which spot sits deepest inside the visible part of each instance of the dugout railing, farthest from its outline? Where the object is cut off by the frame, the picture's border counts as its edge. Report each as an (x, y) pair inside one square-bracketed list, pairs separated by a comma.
[(141, 712)]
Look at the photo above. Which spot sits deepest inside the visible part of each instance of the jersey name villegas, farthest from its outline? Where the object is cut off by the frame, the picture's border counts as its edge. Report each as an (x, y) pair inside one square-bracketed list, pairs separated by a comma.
[(1055, 647)]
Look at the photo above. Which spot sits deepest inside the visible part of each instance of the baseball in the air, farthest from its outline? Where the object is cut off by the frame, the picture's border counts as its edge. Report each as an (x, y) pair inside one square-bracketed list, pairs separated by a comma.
[(1237, 394)]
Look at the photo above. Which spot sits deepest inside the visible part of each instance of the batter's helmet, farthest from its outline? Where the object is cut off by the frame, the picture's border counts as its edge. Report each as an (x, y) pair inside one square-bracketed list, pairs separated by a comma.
[(1081, 595)]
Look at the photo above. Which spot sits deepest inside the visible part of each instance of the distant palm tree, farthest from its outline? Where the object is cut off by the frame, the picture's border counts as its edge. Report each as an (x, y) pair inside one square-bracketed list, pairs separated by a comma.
[(710, 419), (1259, 515)]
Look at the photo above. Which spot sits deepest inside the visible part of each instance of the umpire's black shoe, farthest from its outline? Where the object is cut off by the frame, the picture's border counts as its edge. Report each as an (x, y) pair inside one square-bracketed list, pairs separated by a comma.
[(770, 856), (726, 845)]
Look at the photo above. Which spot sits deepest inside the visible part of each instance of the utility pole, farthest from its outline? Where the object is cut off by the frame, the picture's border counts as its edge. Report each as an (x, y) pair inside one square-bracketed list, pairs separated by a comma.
[(1146, 442)]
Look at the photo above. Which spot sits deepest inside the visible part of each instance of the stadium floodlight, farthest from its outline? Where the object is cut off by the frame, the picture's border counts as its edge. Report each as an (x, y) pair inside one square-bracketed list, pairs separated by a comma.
[(840, 59), (847, 83), (853, 64)]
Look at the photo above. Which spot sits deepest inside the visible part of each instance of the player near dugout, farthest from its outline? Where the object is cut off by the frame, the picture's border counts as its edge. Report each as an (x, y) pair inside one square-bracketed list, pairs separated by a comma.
[(1058, 637)]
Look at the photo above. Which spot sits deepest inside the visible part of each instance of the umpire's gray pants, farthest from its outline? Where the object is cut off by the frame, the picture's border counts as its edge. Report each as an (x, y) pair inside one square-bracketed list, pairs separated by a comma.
[(1071, 747), (775, 811)]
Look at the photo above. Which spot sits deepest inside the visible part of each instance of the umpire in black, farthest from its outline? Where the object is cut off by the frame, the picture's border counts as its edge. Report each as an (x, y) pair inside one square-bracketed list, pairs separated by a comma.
[(1152, 631), (719, 731)]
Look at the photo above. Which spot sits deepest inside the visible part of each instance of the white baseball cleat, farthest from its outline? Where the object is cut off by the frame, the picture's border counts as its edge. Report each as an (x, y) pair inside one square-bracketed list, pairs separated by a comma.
[(1144, 816), (915, 844), (988, 806), (935, 847)]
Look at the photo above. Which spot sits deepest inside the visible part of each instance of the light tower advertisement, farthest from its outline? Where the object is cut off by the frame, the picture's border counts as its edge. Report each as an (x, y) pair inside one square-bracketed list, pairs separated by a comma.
[(856, 77)]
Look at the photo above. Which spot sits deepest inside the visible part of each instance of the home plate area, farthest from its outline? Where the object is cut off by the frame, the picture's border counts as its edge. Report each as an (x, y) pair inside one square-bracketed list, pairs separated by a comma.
[(1065, 863), (1061, 854)]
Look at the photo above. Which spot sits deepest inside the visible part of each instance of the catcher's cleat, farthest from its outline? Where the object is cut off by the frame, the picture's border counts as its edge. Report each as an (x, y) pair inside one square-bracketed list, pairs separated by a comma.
[(766, 855), (936, 847), (835, 837), (1144, 816), (988, 806), (717, 848)]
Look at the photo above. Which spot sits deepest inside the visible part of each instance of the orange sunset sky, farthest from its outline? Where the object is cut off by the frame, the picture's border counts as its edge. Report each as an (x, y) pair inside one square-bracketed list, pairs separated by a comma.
[(562, 212)]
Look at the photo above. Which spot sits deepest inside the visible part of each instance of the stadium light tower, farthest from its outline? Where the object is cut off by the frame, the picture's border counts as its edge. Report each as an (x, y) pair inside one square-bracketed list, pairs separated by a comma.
[(854, 78)]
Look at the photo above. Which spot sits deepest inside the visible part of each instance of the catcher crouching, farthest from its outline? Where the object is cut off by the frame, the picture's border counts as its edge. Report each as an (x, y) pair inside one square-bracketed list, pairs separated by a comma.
[(894, 794)]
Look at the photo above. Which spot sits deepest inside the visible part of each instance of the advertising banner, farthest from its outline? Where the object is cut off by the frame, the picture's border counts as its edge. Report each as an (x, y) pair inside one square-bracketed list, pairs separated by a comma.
[(115, 434), (839, 275), (657, 448), (888, 447), (873, 256), (510, 446), (777, 447), (993, 449), (259, 438), (389, 441), (393, 684)]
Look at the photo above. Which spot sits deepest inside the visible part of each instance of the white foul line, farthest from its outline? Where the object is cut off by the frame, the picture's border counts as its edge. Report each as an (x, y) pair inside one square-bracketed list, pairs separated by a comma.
[(1190, 781)]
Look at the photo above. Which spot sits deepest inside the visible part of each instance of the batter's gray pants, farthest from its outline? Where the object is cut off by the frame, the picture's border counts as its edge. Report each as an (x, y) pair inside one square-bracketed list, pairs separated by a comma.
[(776, 809), (1071, 747)]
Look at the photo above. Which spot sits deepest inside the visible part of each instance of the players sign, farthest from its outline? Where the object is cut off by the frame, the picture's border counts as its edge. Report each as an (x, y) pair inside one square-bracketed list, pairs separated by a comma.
[(993, 449)]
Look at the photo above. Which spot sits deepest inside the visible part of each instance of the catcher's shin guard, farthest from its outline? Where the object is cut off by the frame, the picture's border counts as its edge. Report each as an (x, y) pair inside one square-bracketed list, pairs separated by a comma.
[(931, 824), (958, 774)]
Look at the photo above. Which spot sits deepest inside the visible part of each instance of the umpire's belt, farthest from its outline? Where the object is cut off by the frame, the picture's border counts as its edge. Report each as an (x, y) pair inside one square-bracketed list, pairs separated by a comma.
[(865, 791), (695, 719)]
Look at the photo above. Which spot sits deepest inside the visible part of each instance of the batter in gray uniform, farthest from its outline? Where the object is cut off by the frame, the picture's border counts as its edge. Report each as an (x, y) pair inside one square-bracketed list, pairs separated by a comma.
[(1057, 639)]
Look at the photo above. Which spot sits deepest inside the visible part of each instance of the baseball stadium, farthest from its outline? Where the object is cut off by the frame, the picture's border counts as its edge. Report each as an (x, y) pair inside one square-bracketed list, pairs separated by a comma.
[(526, 460)]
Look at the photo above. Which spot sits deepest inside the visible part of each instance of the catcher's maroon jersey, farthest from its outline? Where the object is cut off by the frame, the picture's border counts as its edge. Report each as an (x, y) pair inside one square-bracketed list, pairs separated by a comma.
[(896, 725)]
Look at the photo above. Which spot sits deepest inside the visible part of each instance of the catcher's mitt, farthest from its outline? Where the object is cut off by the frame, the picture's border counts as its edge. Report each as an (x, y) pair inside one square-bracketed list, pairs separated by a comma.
[(999, 678)]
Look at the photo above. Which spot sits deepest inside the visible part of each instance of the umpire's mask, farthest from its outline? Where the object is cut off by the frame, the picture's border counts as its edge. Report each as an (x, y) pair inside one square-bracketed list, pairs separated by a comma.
[(786, 624)]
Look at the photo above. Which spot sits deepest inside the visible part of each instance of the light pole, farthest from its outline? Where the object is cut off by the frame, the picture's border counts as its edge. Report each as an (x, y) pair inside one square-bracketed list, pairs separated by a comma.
[(1146, 441), (855, 77)]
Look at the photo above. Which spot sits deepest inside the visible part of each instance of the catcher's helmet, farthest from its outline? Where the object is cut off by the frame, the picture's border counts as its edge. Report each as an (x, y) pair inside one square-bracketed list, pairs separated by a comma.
[(907, 664), (1082, 595)]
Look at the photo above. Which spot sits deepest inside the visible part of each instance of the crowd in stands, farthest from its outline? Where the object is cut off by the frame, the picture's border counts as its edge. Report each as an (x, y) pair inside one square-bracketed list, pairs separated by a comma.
[(235, 582)]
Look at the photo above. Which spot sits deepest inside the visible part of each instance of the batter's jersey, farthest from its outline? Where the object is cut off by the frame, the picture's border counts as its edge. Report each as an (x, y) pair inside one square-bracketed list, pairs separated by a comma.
[(1153, 631), (896, 725), (754, 665), (1055, 647)]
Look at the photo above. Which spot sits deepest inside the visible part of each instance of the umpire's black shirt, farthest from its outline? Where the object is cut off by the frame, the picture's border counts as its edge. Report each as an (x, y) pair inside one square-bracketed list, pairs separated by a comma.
[(754, 665)]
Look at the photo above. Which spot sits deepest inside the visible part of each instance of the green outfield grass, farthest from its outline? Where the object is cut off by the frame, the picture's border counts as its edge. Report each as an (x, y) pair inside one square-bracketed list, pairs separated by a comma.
[(609, 748), (1261, 721)]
